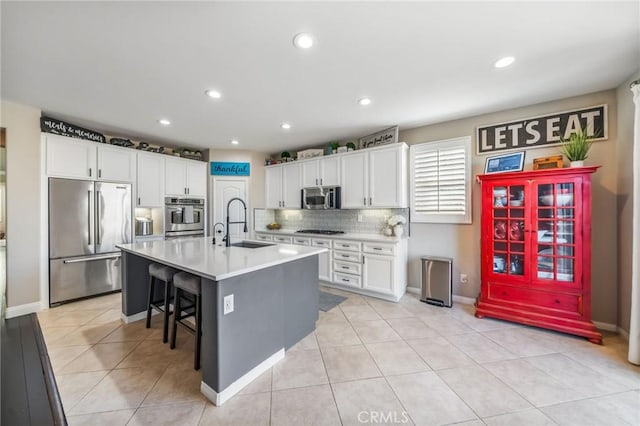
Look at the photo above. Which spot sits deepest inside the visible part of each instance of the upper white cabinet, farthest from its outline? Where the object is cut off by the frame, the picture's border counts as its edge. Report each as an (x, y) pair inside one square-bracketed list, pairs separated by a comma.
[(80, 159), (150, 188), (323, 171), (116, 163), (375, 178), (282, 186), (68, 157), (185, 177)]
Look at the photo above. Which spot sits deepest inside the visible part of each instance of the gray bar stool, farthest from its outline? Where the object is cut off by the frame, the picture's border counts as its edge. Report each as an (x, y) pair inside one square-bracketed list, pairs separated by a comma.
[(187, 286), (158, 272)]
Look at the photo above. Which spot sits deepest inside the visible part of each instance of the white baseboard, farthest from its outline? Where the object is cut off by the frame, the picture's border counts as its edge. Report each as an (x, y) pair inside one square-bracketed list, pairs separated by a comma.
[(219, 398), (606, 326), (18, 311), (623, 333), (414, 290), (464, 300), (136, 317)]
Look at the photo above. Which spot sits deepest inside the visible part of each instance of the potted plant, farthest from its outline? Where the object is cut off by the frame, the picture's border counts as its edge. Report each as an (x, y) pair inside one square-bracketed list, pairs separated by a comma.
[(351, 146), (576, 148), (396, 222), (285, 156), (333, 147)]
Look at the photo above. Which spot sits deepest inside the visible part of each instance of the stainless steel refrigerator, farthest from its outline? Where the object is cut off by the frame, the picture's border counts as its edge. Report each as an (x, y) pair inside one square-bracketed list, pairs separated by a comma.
[(86, 221)]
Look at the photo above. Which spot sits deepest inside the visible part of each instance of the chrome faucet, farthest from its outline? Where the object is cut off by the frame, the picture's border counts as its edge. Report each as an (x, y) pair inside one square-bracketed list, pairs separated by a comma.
[(227, 238), (219, 231)]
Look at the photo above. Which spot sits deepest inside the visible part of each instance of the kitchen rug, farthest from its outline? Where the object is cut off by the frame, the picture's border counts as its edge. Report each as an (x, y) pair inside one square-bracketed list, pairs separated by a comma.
[(329, 301)]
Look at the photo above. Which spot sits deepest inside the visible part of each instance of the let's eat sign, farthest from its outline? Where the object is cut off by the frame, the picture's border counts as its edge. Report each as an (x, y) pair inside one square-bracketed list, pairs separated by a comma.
[(223, 168), (542, 131)]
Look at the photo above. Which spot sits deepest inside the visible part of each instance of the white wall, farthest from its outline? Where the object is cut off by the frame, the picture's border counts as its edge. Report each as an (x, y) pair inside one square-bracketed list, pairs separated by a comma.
[(626, 110), (22, 125), (462, 242)]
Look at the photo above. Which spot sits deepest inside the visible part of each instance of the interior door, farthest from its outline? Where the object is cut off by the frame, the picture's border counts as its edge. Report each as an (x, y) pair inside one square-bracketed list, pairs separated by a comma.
[(71, 218), (224, 190), (113, 216)]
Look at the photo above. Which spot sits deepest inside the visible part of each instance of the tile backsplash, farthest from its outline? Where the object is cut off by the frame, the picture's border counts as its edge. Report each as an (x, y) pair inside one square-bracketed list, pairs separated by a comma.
[(373, 221)]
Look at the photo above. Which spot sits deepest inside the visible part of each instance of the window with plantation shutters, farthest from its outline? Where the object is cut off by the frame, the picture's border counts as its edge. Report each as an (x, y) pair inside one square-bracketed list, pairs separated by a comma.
[(440, 181)]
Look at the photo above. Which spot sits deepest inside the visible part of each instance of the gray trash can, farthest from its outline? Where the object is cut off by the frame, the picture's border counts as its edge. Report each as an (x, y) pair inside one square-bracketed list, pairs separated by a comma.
[(436, 280)]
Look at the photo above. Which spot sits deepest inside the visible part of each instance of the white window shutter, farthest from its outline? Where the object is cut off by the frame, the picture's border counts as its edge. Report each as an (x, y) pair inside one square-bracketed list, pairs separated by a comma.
[(440, 187)]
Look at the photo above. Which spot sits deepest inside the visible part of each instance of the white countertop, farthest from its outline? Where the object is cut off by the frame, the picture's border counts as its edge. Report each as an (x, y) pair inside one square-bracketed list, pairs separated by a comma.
[(217, 262), (379, 238)]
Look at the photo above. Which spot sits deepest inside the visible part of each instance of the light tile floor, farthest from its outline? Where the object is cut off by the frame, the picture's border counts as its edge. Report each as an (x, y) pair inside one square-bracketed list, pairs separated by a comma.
[(369, 361)]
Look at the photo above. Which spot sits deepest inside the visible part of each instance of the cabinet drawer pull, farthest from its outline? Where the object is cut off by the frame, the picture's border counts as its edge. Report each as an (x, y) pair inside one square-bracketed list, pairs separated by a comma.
[(345, 245), (344, 255), (99, 173), (377, 248), (346, 280), (89, 171)]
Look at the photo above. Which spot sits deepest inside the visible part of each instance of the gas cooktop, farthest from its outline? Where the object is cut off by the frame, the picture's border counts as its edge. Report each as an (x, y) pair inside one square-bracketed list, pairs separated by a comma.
[(319, 231)]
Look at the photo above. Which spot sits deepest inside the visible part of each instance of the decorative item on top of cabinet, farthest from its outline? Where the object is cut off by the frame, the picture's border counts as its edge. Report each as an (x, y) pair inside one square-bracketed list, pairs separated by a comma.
[(536, 249)]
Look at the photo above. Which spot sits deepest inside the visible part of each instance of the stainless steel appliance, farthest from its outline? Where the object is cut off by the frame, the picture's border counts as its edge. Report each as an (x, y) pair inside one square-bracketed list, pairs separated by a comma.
[(321, 198), (86, 221), (144, 226), (183, 217), (436, 280)]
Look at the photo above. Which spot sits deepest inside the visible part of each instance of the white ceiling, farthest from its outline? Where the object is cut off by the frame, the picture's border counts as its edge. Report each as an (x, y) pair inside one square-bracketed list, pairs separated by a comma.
[(118, 67)]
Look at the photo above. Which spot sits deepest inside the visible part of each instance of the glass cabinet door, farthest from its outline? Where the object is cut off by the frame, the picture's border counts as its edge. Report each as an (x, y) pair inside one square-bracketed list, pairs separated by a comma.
[(507, 236), (557, 225)]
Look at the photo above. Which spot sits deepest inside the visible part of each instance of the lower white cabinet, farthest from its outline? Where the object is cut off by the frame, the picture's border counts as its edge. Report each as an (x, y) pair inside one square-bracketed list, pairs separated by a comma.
[(373, 268)]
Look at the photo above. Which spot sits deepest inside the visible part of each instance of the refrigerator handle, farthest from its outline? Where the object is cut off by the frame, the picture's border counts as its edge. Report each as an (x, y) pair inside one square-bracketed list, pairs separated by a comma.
[(89, 214), (98, 214)]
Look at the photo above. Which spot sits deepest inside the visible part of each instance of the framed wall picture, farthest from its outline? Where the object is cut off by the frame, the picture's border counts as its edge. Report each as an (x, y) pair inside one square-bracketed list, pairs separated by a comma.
[(513, 162)]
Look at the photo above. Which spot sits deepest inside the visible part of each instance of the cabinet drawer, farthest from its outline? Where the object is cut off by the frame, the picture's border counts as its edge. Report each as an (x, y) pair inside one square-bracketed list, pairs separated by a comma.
[(346, 267), (346, 279), (375, 248), (347, 256), (346, 245), (263, 237), (280, 239), (321, 242), (302, 241), (542, 299)]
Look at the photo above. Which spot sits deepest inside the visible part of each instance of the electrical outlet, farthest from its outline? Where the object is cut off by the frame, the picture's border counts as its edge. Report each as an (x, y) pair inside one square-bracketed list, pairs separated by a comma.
[(464, 278), (228, 304), (359, 218)]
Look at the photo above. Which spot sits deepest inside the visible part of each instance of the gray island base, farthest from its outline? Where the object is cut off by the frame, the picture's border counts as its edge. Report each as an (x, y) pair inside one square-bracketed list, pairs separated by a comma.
[(275, 305)]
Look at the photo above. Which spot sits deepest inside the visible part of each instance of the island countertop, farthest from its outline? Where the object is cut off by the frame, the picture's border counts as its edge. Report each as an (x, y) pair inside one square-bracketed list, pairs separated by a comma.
[(217, 262)]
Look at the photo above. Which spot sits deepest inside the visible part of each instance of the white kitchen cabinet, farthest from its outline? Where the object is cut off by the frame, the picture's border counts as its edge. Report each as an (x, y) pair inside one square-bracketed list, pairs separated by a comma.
[(378, 273), (116, 163), (72, 158), (150, 188), (355, 188), (185, 177), (80, 159), (324, 171), (375, 178), (282, 186)]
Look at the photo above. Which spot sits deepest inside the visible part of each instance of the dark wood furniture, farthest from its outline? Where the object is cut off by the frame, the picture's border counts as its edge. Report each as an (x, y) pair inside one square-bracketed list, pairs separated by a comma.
[(536, 249)]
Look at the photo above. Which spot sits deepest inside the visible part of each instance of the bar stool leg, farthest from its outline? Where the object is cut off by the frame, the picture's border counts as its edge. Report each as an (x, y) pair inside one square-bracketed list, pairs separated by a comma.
[(149, 307), (165, 326), (196, 361), (176, 312)]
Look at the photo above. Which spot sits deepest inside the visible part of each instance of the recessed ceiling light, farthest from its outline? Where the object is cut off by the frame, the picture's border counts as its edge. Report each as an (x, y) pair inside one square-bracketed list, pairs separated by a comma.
[(285, 126), (303, 41), (164, 122), (504, 62), (364, 101), (213, 94), (234, 142)]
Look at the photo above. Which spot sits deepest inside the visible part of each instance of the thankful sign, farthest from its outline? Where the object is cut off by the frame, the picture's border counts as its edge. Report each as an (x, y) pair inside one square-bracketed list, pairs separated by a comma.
[(224, 168), (538, 132)]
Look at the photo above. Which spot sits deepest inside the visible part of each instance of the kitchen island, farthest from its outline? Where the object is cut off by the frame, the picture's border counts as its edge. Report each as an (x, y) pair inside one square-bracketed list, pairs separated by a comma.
[(275, 298)]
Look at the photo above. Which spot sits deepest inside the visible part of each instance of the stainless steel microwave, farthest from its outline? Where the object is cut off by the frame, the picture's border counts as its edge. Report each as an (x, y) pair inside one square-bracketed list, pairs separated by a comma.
[(321, 198)]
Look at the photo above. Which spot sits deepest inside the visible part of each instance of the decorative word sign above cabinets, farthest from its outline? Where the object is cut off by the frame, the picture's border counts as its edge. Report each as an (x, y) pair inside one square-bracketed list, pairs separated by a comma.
[(370, 178)]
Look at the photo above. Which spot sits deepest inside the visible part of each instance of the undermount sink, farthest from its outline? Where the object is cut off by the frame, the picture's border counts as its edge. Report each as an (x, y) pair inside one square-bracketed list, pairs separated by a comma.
[(251, 244)]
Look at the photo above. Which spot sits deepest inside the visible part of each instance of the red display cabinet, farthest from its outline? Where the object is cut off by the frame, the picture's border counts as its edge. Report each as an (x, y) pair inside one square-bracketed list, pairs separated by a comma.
[(536, 249)]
